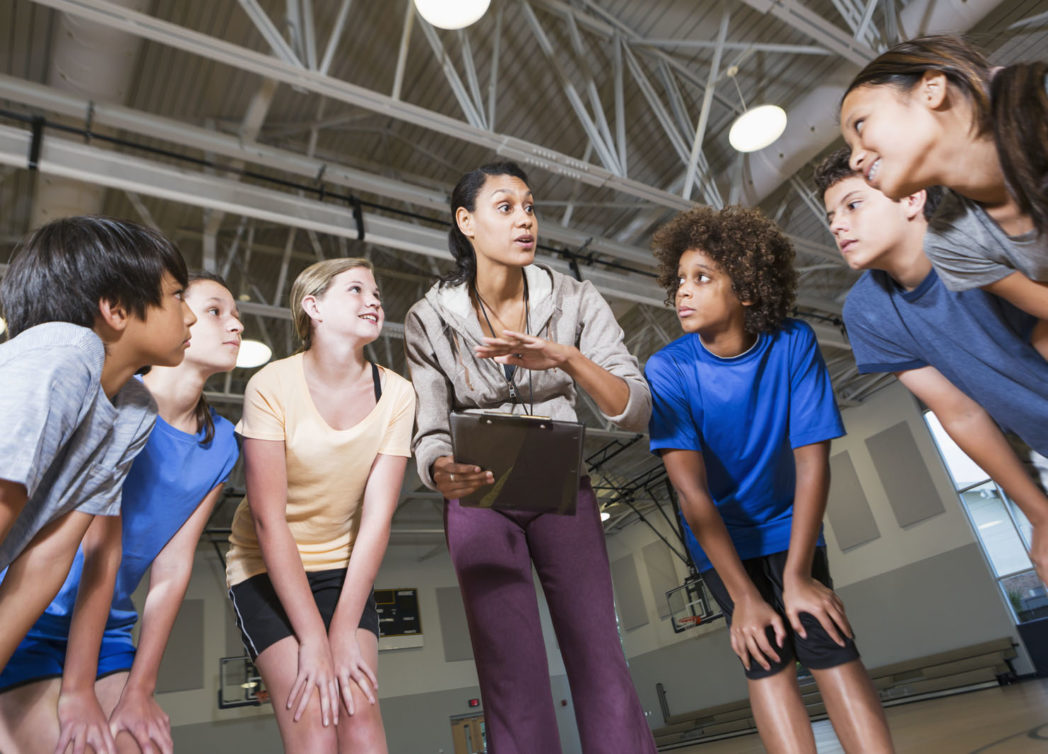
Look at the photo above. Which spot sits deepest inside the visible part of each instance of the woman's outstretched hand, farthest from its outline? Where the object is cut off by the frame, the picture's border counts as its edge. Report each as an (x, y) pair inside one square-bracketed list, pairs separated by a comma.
[(528, 351)]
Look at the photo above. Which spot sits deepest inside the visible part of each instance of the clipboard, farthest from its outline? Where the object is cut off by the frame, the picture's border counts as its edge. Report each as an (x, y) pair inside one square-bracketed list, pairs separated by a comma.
[(536, 460)]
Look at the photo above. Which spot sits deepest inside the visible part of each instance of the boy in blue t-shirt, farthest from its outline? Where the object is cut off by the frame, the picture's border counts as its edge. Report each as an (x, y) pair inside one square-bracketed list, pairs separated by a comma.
[(88, 302), (743, 412), (966, 354)]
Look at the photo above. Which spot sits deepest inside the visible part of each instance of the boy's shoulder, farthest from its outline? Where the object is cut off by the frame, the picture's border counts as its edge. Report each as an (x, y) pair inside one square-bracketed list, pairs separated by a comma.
[(873, 289), (54, 346), (682, 349)]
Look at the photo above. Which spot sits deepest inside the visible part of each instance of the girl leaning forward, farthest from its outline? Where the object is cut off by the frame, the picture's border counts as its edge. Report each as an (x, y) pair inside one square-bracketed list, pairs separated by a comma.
[(326, 441)]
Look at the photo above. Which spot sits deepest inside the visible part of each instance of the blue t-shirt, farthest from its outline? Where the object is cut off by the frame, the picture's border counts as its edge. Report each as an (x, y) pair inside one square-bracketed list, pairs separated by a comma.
[(978, 341), (745, 415), (164, 487)]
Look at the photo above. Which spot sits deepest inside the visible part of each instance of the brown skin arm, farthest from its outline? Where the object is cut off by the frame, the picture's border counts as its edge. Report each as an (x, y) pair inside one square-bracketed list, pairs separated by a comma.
[(752, 615)]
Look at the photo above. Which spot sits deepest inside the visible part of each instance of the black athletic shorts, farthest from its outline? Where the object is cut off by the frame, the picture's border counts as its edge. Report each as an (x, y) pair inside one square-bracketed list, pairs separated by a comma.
[(818, 651), (262, 620)]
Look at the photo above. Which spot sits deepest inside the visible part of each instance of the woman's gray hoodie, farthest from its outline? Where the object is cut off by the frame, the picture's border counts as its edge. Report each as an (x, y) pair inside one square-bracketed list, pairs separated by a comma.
[(441, 330)]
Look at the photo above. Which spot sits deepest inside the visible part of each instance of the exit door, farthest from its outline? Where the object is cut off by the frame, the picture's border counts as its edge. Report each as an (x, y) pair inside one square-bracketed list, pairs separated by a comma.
[(469, 735)]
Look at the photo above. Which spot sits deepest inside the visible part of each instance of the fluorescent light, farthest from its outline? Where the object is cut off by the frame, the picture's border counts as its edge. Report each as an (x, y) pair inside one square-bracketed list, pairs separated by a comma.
[(604, 516), (253, 353), (452, 14), (757, 128)]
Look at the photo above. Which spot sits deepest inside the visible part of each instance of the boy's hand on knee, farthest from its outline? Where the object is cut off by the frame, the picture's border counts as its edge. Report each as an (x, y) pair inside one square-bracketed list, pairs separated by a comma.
[(808, 595), (749, 636), (139, 715), (82, 724)]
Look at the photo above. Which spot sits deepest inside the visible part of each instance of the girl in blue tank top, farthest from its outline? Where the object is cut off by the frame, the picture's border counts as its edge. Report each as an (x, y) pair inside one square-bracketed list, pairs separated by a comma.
[(79, 658)]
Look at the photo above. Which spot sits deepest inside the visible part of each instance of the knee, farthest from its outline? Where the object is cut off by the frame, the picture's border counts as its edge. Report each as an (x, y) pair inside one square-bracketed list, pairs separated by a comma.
[(362, 731)]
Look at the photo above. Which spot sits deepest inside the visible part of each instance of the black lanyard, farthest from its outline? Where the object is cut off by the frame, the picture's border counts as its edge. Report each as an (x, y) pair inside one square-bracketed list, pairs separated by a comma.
[(511, 375)]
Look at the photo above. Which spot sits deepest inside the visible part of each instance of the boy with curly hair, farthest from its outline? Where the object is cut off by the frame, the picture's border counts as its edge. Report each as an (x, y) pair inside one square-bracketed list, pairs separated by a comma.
[(743, 415), (968, 355)]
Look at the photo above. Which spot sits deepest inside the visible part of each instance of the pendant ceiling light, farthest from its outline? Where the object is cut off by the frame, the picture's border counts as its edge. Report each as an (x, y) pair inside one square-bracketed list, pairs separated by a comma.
[(253, 353), (452, 14), (757, 128)]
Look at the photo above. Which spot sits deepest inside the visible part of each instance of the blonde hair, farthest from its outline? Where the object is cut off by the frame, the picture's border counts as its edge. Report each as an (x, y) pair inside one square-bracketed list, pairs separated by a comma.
[(314, 281)]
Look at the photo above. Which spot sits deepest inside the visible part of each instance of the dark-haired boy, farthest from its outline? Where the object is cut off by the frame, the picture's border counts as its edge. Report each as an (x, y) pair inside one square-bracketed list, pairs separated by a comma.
[(966, 354), (88, 302), (743, 413)]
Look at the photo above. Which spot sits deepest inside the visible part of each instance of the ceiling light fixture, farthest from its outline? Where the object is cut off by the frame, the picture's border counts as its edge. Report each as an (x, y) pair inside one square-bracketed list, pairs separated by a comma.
[(253, 353), (452, 14), (604, 516), (757, 128)]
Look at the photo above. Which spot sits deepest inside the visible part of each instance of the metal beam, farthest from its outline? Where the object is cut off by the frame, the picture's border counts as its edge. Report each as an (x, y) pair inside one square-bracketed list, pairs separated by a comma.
[(469, 108), (702, 44), (115, 170), (603, 148), (815, 26), (265, 27), (294, 163), (707, 101), (336, 35), (246, 59)]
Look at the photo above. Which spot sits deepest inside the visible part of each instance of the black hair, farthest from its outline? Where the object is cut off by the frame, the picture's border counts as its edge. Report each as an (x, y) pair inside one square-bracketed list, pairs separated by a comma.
[(465, 195), (61, 271), (1011, 104), (203, 408), (837, 166)]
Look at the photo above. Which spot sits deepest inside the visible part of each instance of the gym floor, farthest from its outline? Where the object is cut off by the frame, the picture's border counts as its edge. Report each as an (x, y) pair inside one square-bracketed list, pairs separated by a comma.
[(1003, 720)]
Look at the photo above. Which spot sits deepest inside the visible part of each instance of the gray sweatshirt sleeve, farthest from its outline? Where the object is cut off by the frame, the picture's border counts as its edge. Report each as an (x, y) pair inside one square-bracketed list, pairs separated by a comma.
[(433, 394), (601, 340)]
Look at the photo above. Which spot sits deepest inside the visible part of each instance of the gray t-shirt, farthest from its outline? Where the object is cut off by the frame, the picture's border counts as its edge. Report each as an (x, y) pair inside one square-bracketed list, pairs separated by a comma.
[(969, 250), (62, 437)]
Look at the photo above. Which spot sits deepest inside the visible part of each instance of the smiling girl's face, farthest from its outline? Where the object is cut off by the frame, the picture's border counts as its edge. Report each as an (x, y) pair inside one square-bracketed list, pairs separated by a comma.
[(892, 134)]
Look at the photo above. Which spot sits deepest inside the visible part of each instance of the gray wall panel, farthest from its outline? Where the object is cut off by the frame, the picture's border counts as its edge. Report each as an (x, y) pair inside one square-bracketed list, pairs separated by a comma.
[(661, 574), (905, 478), (182, 668), (453, 627), (847, 508), (628, 596)]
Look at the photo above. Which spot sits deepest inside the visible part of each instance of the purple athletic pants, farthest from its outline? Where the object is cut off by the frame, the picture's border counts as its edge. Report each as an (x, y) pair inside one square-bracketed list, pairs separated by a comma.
[(492, 553)]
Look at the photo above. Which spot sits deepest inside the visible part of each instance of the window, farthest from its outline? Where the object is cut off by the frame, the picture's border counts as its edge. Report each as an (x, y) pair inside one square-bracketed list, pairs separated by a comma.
[(999, 525)]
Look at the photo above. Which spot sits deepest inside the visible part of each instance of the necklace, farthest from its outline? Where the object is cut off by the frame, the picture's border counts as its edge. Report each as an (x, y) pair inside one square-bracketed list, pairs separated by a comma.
[(509, 373)]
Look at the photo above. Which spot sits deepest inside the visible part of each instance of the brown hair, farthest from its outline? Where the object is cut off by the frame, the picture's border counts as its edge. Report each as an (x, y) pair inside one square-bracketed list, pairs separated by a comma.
[(837, 166), (1012, 105), (202, 412), (314, 281), (749, 247)]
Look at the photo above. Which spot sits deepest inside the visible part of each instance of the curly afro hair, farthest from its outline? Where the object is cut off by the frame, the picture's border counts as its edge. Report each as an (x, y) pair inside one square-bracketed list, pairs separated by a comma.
[(749, 247)]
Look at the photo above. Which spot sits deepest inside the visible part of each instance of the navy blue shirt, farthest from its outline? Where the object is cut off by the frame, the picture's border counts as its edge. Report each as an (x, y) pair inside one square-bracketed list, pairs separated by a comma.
[(978, 341), (746, 415)]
